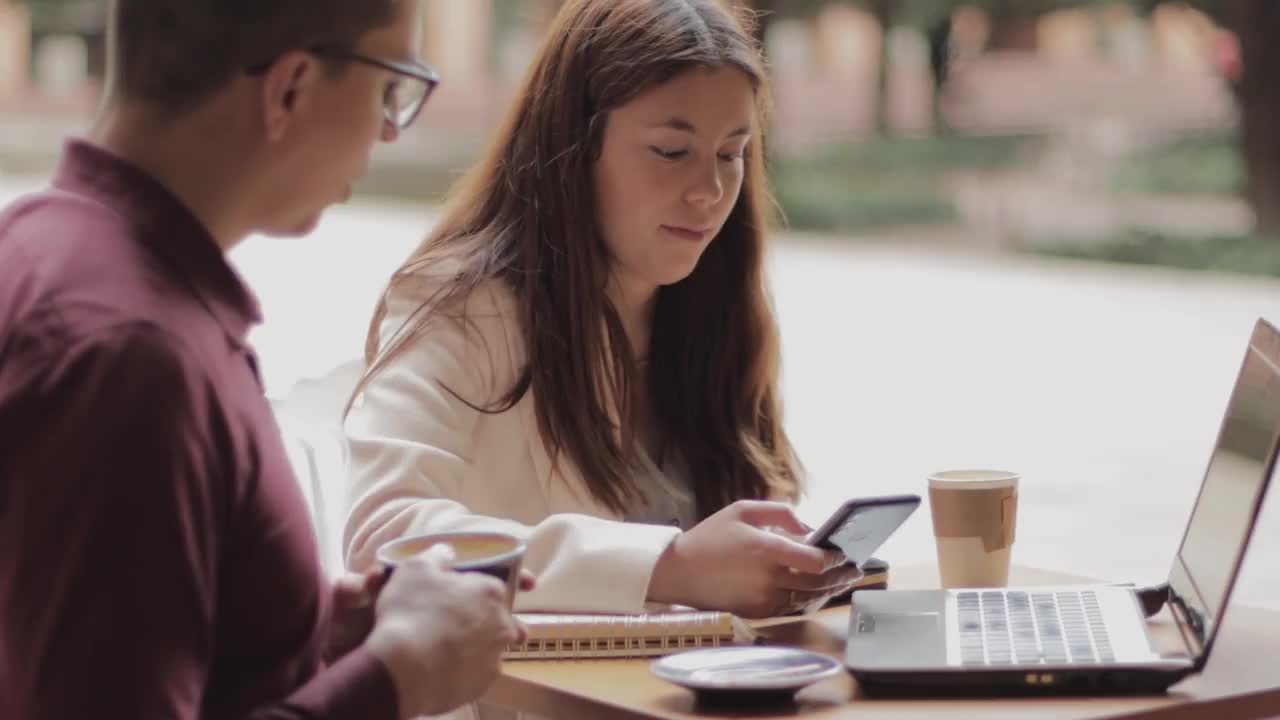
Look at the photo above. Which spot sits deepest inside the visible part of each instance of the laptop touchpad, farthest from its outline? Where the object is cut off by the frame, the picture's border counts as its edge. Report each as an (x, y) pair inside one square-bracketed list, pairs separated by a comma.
[(898, 640)]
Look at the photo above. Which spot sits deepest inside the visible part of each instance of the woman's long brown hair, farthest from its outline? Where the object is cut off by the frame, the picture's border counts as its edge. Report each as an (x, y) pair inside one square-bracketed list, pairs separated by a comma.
[(526, 217)]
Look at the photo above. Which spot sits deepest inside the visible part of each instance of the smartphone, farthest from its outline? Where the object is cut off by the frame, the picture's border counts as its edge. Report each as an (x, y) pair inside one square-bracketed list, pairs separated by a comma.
[(860, 526)]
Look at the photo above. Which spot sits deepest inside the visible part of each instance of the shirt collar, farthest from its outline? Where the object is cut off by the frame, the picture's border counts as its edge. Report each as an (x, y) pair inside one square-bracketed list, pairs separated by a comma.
[(167, 228)]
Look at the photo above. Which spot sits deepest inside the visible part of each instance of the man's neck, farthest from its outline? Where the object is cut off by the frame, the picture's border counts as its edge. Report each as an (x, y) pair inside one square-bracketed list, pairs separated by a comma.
[(182, 155)]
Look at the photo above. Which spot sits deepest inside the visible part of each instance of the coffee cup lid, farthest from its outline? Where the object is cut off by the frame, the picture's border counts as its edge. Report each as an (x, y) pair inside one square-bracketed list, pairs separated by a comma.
[(973, 479)]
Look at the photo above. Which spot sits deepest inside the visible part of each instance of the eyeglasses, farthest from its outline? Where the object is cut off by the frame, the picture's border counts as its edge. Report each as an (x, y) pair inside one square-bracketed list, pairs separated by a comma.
[(403, 99)]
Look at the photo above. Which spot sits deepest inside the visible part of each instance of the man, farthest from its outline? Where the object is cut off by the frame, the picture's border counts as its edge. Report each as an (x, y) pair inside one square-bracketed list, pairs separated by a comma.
[(156, 558)]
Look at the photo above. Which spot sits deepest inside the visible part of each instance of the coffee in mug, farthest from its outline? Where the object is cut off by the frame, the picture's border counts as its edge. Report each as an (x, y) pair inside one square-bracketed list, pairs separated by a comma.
[(496, 554)]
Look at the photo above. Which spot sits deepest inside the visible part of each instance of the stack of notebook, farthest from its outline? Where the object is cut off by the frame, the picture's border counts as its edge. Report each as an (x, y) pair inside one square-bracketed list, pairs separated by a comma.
[(559, 635)]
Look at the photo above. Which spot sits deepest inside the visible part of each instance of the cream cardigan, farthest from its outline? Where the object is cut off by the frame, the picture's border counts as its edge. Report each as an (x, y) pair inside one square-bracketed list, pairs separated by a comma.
[(424, 461)]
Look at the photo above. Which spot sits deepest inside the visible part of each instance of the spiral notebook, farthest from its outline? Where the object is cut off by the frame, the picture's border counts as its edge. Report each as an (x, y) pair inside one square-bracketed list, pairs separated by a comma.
[(648, 635), (556, 635)]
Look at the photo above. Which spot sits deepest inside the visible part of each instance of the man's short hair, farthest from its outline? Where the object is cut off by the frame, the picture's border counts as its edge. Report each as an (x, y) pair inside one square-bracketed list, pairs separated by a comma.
[(173, 53)]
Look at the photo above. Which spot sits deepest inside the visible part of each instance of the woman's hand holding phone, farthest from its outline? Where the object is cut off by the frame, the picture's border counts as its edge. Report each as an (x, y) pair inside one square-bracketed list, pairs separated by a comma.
[(860, 526), (732, 561)]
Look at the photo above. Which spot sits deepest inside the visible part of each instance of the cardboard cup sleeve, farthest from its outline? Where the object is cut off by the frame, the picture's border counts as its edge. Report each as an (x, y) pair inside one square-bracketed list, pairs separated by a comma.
[(988, 513)]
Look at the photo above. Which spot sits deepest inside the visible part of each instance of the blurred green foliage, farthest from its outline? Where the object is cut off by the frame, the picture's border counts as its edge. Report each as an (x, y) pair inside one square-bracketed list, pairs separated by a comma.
[(882, 181), (1247, 254), (1208, 164), (48, 16)]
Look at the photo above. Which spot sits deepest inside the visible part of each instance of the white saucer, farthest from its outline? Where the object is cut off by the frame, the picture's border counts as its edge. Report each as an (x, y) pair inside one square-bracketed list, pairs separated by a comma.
[(752, 668)]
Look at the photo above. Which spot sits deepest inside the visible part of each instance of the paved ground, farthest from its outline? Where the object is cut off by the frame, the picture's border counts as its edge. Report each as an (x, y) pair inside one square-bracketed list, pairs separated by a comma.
[(1103, 385)]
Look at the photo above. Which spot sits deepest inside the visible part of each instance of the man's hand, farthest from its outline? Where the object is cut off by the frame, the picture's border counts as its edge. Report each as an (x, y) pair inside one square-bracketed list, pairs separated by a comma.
[(354, 597), (441, 633)]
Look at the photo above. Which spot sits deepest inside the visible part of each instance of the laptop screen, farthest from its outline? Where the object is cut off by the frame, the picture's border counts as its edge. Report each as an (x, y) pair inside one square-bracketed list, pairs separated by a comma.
[(1231, 494)]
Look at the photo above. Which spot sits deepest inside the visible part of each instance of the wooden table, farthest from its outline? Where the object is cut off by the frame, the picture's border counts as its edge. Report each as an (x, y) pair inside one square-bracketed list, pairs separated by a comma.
[(1242, 679)]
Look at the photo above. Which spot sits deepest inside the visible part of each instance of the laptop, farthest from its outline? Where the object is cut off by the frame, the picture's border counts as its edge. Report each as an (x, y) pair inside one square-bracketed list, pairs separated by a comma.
[(1088, 639)]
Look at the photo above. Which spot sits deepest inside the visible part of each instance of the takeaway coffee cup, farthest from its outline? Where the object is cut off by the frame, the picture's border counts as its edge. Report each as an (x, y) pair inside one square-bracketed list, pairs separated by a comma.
[(974, 514)]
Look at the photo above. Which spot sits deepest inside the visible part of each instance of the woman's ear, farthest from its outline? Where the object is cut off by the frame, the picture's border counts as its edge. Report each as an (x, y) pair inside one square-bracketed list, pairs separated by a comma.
[(286, 88)]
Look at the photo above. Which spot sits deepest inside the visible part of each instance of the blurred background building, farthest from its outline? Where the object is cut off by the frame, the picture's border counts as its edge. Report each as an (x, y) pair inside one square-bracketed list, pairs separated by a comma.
[(1053, 125)]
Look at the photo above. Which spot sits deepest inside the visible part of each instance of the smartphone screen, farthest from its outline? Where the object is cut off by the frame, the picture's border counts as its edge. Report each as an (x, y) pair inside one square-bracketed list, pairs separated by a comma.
[(860, 527)]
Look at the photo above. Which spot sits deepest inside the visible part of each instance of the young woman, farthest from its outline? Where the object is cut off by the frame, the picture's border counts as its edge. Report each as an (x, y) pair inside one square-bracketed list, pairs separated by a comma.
[(583, 352)]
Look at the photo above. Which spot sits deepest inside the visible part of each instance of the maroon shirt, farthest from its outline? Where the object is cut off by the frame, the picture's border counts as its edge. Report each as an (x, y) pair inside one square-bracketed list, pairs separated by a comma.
[(156, 557)]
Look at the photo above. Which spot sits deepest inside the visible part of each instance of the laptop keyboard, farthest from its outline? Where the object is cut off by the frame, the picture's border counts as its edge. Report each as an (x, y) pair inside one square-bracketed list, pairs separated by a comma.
[(1014, 627)]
